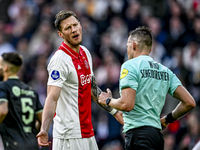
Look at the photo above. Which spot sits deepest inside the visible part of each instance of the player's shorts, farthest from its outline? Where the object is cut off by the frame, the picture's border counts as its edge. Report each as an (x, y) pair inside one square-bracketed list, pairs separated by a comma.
[(144, 138), (75, 144), (197, 146), (1, 144)]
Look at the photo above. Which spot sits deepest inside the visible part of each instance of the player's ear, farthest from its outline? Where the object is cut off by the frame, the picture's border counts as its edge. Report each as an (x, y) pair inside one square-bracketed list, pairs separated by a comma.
[(5, 68), (60, 34)]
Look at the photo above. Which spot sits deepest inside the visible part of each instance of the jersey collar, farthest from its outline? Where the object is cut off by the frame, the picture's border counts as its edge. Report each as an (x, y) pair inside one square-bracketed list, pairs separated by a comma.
[(70, 51), (13, 77)]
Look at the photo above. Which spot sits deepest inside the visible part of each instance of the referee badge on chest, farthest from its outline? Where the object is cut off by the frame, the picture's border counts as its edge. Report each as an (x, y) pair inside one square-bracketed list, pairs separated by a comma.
[(55, 74)]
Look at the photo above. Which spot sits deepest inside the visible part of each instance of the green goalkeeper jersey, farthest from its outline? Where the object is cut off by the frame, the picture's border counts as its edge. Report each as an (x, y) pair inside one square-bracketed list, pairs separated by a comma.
[(152, 81)]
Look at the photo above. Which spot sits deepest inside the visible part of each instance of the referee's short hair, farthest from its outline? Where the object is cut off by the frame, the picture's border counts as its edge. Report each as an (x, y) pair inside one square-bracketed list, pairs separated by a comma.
[(143, 35)]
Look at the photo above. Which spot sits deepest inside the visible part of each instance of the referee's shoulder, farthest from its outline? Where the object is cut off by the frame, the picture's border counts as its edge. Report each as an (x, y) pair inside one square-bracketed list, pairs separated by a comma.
[(128, 63)]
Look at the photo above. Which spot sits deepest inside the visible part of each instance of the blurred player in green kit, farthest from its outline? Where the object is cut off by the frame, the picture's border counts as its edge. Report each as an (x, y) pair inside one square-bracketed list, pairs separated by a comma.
[(19, 107)]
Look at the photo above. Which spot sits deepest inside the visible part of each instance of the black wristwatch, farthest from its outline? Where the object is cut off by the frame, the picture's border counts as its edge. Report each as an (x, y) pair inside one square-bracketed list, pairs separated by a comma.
[(108, 101)]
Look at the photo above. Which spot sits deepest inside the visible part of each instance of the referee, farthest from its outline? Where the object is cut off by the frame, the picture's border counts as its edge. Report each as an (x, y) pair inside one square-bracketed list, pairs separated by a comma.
[(144, 84)]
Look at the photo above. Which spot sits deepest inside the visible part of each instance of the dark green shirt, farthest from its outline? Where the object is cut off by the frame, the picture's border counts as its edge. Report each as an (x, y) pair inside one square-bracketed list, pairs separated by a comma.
[(18, 128)]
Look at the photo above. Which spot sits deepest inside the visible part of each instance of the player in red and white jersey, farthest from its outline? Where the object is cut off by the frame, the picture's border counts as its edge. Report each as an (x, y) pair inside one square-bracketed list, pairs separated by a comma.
[(71, 85)]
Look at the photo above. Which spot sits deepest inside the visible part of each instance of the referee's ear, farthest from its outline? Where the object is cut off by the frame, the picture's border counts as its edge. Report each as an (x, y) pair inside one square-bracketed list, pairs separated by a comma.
[(134, 46), (150, 50)]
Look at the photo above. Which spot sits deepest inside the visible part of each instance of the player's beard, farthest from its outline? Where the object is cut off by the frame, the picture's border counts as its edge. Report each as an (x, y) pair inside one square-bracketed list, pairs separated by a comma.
[(73, 42), (1, 74)]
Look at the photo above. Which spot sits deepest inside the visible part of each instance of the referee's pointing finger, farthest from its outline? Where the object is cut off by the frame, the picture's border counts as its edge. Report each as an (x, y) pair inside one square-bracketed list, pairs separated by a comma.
[(108, 90)]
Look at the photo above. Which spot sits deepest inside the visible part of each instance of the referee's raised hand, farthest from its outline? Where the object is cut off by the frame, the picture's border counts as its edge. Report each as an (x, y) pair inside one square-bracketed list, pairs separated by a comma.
[(104, 96)]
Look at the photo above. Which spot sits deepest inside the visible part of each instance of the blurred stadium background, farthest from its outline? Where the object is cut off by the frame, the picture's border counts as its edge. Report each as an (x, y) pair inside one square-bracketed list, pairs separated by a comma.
[(26, 26)]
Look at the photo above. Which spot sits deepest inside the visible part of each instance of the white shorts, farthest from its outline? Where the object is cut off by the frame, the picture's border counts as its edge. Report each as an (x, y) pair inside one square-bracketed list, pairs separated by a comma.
[(75, 144), (197, 146)]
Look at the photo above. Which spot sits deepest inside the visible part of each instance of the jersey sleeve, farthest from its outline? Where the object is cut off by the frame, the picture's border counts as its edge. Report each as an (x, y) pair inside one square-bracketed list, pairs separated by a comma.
[(128, 77), (174, 83), (57, 70), (3, 93)]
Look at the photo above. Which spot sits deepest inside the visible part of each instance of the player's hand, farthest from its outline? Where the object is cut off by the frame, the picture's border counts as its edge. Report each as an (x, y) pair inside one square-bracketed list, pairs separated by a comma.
[(43, 139), (119, 117), (104, 96), (164, 123)]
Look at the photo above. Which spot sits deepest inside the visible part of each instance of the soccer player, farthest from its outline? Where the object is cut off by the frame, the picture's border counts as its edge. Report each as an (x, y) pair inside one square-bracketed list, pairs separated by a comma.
[(19, 107), (71, 85), (197, 146), (1, 74), (144, 84)]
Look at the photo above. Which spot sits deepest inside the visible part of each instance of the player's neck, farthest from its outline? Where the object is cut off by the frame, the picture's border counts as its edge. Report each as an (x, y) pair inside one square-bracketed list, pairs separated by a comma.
[(140, 53), (8, 75), (75, 48)]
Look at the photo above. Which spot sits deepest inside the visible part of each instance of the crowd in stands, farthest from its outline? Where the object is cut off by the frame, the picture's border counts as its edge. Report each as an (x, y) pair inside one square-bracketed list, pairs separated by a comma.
[(27, 27)]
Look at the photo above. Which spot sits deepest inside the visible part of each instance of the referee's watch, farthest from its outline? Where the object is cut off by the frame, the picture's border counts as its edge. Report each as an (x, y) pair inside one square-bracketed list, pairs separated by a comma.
[(108, 101)]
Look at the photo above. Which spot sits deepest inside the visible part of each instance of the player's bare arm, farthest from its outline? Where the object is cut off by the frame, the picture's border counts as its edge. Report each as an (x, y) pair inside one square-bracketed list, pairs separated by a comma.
[(3, 110), (38, 121), (53, 94), (95, 92)]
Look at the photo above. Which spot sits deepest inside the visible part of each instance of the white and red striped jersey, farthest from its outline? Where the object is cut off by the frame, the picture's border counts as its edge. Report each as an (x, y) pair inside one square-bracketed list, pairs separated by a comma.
[(72, 72)]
